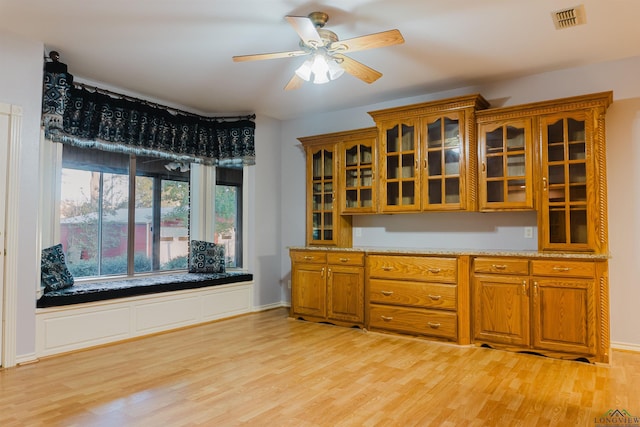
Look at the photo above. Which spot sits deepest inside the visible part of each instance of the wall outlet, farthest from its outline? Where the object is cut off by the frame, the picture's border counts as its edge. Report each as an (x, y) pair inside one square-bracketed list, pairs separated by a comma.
[(528, 232), (357, 231)]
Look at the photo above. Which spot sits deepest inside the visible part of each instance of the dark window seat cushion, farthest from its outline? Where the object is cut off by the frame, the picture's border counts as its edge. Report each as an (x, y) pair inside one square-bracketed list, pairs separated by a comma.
[(98, 291)]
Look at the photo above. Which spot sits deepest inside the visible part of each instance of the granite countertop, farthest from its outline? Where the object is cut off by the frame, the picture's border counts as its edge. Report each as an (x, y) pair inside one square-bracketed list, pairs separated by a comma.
[(457, 252)]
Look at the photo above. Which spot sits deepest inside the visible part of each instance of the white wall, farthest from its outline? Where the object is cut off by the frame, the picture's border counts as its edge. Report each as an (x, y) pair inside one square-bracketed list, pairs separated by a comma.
[(264, 215), (21, 84), (433, 230)]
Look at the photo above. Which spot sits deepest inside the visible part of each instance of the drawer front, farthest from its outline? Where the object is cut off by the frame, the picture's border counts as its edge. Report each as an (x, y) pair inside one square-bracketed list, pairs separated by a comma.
[(563, 268), (425, 269), (501, 265), (314, 257), (345, 258), (414, 321), (417, 294)]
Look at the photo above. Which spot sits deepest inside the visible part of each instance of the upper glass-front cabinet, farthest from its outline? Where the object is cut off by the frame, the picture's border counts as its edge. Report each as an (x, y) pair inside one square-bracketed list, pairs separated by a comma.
[(506, 157), (428, 155), (399, 189), (443, 163), (359, 188), (567, 181)]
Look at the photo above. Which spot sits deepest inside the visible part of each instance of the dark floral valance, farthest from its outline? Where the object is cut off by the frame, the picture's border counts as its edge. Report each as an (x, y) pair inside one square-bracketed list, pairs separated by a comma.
[(89, 118)]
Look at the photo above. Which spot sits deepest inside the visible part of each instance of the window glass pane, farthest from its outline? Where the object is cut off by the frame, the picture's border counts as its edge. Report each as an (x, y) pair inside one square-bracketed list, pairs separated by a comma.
[(114, 192), (79, 222), (228, 225), (143, 236), (226, 217), (174, 225)]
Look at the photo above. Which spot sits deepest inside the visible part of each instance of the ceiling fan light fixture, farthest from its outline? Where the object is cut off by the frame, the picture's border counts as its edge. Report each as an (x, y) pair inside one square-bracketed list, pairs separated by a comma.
[(319, 69)]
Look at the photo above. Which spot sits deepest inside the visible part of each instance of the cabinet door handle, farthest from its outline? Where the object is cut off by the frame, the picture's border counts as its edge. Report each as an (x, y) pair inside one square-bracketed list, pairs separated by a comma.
[(308, 258), (561, 268), (544, 184), (425, 163), (524, 287), (328, 273), (433, 325), (435, 297), (386, 293), (484, 167), (322, 272), (344, 259), (386, 318), (434, 270), (387, 268), (535, 289), (499, 266)]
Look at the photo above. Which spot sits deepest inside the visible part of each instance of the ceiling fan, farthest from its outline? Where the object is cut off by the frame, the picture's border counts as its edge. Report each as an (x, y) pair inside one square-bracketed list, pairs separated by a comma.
[(327, 53)]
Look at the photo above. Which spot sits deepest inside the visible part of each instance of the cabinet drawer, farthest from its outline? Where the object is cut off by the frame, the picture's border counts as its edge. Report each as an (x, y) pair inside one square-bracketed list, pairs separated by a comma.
[(345, 258), (314, 257), (501, 265), (415, 294), (563, 268), (426, 269), (413, 320)]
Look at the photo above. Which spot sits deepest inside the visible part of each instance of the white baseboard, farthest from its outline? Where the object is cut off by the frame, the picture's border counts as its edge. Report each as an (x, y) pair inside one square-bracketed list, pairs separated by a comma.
[(23, 359), (270, 306), (79, 326), (626, 346)]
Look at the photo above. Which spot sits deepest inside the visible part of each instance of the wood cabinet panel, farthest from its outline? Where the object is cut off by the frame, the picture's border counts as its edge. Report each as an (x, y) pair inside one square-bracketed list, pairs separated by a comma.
[(563, 268), (501, 265), (308, 289), (345, 293), (413, 268), (564, 315), (345, 258), (501, 309), (438, 323), (396, 292), (314, 257)]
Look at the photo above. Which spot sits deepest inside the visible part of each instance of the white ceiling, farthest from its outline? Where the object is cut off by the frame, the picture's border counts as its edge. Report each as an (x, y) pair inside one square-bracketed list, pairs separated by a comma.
[(179, 51)]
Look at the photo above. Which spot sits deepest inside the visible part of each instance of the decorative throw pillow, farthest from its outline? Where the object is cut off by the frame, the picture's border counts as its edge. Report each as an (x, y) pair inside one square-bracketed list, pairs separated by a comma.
[(54, 274), (206, 257)]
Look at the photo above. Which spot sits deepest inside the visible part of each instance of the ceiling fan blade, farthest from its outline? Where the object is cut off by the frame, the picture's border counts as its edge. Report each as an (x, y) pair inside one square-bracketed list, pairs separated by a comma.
[(358, 69), (295, 83), (306, 30), (275, 55), (371, 41)]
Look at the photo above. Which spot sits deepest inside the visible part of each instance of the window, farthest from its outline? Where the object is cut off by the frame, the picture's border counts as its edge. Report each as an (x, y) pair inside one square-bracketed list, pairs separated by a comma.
[(106, 230), (228, 206)]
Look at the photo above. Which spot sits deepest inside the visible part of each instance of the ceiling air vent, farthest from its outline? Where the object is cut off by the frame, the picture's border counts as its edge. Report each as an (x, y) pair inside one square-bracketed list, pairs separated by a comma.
[(571, 17)]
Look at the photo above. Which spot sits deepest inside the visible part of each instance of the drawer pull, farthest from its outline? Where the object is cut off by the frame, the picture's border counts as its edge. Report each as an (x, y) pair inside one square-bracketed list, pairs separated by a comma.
[(386, 318), (344, 259), (387, 268), (499, 266), (386, 293), (434, 297), (561, 268), (308, 258), (434, 270), (433, 325)]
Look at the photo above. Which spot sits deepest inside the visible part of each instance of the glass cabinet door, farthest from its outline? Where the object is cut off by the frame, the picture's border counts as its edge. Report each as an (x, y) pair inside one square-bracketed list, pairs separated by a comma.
[(506, 169), (442, 166), (565, 184), (322, 195), (358, 176), (399, 190)]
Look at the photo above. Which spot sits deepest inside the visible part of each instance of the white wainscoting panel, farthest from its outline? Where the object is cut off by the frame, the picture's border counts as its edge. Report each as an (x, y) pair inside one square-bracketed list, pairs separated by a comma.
[(74, 327)]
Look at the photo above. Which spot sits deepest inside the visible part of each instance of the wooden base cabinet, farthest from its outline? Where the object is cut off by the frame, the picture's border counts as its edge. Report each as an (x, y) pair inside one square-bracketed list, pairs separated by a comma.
[(546, 306), (417, 295), (328, 286)]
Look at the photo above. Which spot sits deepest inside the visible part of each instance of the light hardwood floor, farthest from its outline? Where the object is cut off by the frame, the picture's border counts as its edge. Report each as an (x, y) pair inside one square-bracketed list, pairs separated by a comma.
[(264, 369)]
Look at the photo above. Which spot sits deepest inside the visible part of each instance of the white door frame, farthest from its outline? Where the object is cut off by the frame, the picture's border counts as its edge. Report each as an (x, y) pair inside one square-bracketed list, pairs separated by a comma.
[(11, 118)]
